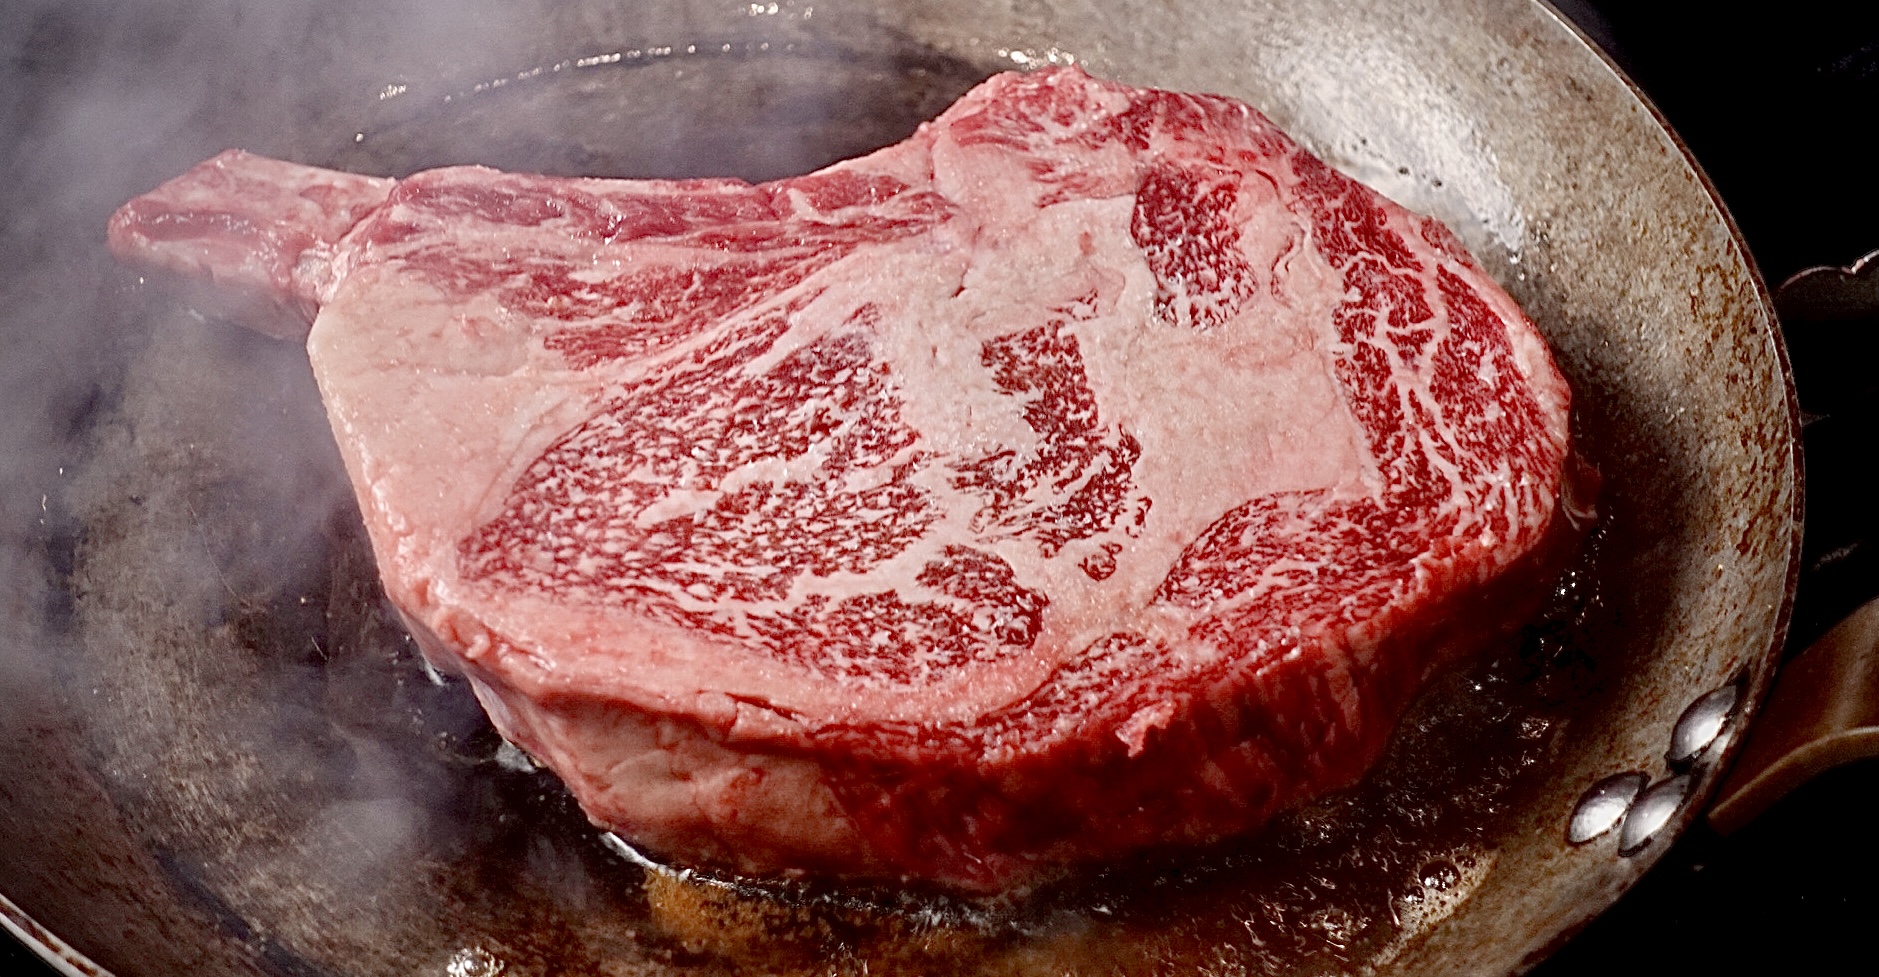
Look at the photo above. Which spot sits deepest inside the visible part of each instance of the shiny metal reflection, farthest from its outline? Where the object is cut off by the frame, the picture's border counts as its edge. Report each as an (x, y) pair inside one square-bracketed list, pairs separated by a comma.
[(1603, 805), (1702, 724), (1651, 812)]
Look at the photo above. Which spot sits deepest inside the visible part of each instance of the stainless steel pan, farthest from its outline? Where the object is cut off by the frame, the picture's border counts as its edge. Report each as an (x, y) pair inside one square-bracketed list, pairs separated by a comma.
[(222, 757)]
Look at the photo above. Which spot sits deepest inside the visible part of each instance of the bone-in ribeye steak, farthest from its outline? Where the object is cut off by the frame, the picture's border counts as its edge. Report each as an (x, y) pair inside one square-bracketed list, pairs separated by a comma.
[(1093, 472)]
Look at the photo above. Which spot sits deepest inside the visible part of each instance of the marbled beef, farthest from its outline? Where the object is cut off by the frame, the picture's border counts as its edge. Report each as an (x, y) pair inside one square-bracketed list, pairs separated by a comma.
[(1095, 471)]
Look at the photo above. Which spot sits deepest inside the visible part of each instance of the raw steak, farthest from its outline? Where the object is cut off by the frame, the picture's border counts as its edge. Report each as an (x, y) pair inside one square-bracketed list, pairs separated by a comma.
[(1093, 472)]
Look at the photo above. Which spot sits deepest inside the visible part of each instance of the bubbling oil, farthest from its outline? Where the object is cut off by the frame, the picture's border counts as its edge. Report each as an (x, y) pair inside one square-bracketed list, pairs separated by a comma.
[(1342, 883)]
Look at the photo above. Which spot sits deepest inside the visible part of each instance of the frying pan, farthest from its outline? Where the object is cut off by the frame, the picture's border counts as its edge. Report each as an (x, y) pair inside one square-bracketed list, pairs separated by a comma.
[(223, 757)]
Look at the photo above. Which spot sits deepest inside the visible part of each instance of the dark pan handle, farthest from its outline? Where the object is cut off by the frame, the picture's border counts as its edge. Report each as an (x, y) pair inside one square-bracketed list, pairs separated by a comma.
[(1823, 712)]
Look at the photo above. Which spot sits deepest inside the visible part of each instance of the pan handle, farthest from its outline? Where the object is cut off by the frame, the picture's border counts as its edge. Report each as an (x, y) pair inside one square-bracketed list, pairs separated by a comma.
[(1822, 712), (1824, 708)]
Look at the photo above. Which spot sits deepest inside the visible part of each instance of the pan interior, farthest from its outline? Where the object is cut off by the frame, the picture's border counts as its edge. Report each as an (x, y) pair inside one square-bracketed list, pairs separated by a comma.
[(231, 705)]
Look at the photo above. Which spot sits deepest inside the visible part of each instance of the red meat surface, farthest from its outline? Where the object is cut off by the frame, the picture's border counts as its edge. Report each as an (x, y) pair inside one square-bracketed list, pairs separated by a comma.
[(1094, 472)]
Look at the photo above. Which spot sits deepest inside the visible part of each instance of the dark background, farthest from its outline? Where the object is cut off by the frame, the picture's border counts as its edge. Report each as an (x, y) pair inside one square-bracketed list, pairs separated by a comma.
[(1778, 103)]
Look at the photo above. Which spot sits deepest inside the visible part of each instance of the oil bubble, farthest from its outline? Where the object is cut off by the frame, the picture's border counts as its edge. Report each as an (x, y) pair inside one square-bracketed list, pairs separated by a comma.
[(474, 961), (1439, 875)]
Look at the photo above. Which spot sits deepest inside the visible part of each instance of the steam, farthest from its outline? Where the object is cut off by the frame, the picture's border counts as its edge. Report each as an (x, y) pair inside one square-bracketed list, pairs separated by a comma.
[(185, 570), (183, 566)]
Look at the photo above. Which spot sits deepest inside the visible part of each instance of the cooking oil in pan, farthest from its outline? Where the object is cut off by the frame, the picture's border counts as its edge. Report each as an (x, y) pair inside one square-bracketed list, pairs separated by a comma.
[(753, 109), (1349, 880)]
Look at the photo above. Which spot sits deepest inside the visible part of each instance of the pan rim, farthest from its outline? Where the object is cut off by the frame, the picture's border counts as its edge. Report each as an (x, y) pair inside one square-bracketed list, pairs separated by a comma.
[(1761, 680), (53, 951), (67, 960)]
